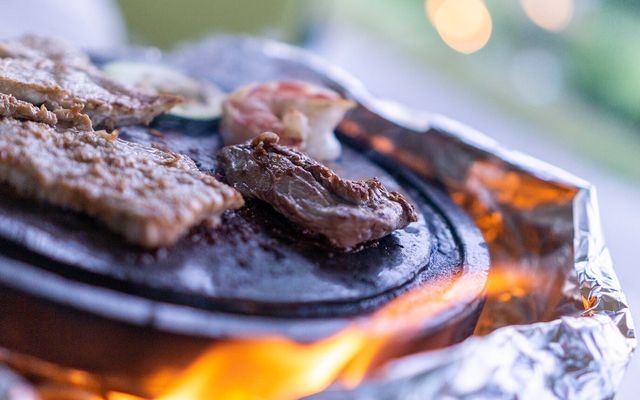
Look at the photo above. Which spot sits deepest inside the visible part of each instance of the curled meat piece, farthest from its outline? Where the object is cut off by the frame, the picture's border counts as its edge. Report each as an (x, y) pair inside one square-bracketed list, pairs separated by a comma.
[(302, 114), (311, 195)]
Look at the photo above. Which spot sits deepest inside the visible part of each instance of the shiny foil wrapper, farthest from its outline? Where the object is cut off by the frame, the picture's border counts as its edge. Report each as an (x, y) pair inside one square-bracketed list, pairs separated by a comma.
[(556, 323)]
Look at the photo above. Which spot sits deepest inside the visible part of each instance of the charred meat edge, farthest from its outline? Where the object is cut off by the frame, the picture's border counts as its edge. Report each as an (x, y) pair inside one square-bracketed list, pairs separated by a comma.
[(306, 192)]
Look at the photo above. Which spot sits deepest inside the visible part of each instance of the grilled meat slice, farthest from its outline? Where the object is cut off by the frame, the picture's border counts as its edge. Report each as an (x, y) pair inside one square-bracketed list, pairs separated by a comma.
[(313, 196), (13, 108), (151, 197), (35, 47), (59, 86), (41, 71)]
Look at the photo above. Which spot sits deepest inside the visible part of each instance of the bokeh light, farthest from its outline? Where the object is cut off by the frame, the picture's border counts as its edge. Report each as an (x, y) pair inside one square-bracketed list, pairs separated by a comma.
[(552, 15), (464, 25)]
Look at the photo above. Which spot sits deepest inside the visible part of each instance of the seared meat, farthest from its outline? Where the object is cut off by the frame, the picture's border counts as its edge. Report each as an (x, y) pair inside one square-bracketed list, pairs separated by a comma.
[(59, 86), (36, 47), (313, 196), (50, 72), (151, 197), (18, 109), (12, 107)]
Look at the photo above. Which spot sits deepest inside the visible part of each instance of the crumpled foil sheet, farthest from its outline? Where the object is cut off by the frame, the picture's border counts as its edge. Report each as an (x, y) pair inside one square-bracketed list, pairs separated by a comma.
[(556, 323)]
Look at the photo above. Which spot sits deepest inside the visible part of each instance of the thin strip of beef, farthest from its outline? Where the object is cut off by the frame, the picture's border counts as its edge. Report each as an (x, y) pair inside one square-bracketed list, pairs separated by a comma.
[(311, 195)]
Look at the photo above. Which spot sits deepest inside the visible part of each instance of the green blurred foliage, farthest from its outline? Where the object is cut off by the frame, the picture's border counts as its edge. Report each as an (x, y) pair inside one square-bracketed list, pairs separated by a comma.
[(165, 23), (604, 57)]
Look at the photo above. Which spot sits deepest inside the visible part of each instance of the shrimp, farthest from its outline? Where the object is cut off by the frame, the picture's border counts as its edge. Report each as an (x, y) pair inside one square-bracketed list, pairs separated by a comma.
[(302, 114)]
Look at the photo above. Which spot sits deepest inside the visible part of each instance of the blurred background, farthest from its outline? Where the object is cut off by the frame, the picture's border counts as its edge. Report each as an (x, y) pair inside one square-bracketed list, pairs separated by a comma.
[(557, 79)]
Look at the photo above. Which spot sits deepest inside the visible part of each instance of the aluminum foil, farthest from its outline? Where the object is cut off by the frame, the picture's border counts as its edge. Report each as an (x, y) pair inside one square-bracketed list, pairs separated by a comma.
[(556, 323)]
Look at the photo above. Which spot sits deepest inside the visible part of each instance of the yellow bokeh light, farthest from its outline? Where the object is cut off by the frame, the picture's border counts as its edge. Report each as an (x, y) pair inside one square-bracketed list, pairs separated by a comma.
[(464, 25), (432, 6), (553, 15)]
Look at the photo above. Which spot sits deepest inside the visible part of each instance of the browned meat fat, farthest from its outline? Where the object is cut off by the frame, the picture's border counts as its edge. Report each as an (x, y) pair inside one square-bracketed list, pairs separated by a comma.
[(313, 196), (149, 196), (13, 108), (44, 71)]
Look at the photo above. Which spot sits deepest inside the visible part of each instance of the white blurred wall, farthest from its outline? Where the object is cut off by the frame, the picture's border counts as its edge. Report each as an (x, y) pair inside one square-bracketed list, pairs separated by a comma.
[(89, 24)]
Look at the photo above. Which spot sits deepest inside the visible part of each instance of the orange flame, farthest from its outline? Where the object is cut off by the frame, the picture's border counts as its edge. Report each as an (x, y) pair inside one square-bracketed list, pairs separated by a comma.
[(266, 368), (279, 368), (122, 396)]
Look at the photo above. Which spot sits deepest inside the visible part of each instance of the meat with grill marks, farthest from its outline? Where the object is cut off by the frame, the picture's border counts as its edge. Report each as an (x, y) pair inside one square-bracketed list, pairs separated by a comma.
[(311, 195), (45, 72), (150, 196)]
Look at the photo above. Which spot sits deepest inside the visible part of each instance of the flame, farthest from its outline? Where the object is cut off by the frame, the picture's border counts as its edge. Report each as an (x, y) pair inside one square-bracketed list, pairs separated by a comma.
[(464, 25), (266, 368), (276, 367), (279, 368), (121, 396), (506, 282), (552, 15), (511, 298)]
